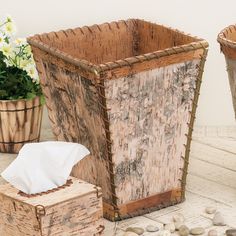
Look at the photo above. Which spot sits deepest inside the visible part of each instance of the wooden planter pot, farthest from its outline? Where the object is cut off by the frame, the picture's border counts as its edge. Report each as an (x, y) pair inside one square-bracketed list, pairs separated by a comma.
[(20, 123), (227, 40), (127, 90)]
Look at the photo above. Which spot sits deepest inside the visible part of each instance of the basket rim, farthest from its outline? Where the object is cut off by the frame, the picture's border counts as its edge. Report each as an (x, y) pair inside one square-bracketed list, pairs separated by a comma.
[(222, 36), (198, 43), (20, 99)]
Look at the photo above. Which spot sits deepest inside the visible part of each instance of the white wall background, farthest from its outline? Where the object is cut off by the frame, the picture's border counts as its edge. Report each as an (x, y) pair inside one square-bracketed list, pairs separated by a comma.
[(203, 18)]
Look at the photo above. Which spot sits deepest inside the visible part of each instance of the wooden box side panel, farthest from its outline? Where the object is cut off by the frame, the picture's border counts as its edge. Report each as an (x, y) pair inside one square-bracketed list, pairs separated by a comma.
[(231, 68), (17, 218), (73, 108), (148, 122), (78, 216)]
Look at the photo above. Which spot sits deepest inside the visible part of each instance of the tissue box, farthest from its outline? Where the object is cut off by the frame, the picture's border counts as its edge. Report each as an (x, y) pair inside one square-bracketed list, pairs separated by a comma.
[(73, 209)]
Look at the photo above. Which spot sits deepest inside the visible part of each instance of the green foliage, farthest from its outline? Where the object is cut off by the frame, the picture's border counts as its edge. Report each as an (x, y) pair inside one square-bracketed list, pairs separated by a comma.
[(15, 83), (18, 75)]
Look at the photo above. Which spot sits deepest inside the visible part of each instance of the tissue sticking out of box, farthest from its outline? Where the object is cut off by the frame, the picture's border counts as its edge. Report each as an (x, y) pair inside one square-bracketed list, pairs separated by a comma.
[(40, 167)]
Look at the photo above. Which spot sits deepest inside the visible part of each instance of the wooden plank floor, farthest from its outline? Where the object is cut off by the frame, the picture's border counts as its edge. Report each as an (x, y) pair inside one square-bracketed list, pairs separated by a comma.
[(211, 182)]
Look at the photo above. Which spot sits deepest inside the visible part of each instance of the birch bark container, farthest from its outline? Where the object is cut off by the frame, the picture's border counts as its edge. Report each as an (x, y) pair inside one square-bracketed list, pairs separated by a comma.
[(72, 209), (227, 40), (127, 90), (20, 123)]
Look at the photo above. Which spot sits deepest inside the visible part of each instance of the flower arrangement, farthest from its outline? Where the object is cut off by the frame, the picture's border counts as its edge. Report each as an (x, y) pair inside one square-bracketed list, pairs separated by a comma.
[(18, 75)]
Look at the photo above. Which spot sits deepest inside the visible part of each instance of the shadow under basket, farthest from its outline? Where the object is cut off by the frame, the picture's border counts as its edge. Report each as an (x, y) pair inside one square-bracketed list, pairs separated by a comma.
[(227, 40), (128, 91)]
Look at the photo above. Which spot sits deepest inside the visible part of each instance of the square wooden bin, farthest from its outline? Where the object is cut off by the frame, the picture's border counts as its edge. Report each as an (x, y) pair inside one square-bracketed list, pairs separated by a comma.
[(71, 210), (128, 91)]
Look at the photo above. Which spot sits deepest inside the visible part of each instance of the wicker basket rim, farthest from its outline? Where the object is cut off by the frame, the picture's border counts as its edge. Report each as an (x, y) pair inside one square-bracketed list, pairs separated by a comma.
[(197, 43), (222, 36), (18, 100)]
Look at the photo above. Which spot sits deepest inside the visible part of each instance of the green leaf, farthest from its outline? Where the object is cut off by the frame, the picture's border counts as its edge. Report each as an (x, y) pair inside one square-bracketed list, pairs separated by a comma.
[(3, 93), (42, 100), (17, 84), (30, 95)]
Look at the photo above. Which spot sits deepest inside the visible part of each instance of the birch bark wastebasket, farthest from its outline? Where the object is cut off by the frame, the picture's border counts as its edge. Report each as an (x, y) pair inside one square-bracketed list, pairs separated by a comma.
[(128, 91), (227, 40)]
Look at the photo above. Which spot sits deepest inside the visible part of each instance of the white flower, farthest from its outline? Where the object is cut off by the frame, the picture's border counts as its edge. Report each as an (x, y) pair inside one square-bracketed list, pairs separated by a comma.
[(8, 62), (23, 64), (9, 28), (2, 41), (36, 78), (9, 18), (7, 50), (27, 50), (31, 71), (20, 41)]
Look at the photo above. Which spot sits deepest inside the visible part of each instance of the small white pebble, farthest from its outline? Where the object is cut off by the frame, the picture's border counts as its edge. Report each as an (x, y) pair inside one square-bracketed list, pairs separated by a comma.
[(197, 231), (218, 219), (210, 210), (178, 218), (170, 227), (152, 228), (178, 224), (183, 230)]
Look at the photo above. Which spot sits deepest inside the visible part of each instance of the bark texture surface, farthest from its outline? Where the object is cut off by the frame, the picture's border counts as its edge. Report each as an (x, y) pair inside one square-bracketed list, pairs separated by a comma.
[(75, 210), (148, 117), (75, 116)]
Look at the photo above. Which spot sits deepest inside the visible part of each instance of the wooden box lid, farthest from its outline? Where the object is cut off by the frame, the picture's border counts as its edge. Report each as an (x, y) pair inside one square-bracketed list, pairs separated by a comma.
[(77, 188)]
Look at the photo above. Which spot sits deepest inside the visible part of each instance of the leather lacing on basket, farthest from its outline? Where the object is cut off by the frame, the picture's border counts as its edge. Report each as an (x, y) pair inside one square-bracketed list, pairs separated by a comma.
[(67, 184)]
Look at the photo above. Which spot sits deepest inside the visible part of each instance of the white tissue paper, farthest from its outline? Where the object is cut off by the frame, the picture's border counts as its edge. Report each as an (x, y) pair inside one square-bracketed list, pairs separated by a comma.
[(43, 166)]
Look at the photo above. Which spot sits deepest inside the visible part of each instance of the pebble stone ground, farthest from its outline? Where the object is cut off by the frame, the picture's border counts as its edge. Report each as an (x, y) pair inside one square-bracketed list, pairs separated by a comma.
[(211, 182)]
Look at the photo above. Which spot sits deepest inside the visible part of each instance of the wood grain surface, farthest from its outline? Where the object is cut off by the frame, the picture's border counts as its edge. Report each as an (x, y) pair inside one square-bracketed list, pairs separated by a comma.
[(20, 123)]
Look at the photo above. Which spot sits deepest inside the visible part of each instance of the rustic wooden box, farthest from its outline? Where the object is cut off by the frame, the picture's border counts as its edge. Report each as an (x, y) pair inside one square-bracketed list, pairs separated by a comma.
[(75, 209), (127, 90), (227, 40)]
